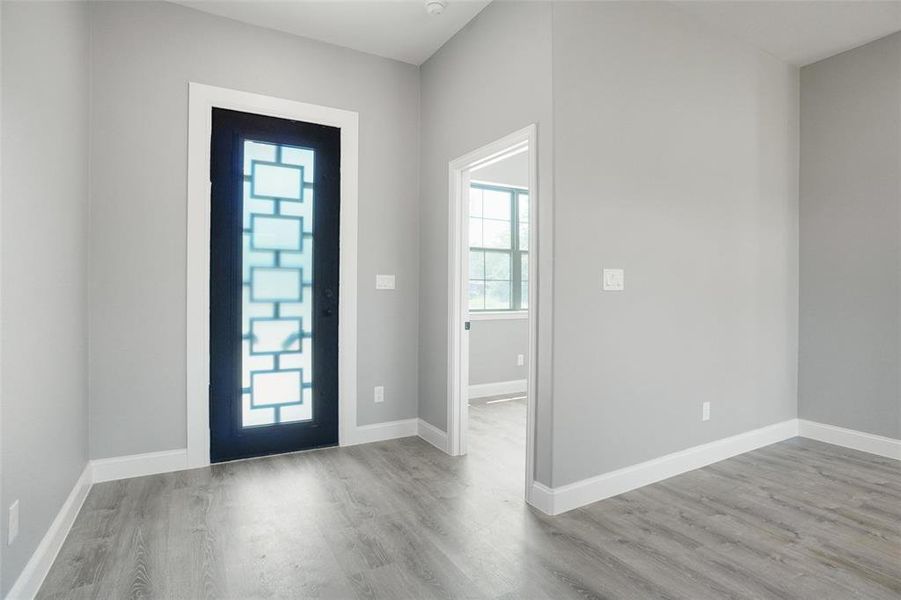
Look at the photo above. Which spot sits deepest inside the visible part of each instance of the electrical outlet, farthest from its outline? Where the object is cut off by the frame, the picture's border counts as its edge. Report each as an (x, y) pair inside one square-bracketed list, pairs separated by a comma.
[(705, 411), (13, 522), (520, 360), (379, 393)]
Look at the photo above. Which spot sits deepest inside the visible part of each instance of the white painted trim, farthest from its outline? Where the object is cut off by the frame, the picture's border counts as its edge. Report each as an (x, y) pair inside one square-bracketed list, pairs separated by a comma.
[(458, 339), (378, 432), (37, 567), (202, 99), (849, 438), (555, 501), (139, 465), (482, 390), (542, 498), (498, 183), (499, 315), (432, 435)]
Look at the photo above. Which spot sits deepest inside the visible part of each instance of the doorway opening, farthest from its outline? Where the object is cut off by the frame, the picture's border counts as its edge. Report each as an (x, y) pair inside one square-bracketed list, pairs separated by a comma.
[(492, 304)]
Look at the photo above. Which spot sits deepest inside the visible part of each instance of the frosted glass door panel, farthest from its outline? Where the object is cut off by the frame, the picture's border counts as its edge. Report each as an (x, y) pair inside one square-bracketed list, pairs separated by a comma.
[(277, 362)]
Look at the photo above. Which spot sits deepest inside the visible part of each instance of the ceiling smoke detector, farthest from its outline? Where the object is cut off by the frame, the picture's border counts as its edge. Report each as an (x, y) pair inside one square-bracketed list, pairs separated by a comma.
[(435, 7)]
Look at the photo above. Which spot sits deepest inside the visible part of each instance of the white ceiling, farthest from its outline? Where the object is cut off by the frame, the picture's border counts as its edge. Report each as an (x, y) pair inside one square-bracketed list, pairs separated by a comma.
[(804, 31), (398, 29)]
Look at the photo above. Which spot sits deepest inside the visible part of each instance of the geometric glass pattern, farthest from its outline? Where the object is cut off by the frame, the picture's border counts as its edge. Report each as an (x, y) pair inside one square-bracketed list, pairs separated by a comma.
[(498, 248), (277, 260)]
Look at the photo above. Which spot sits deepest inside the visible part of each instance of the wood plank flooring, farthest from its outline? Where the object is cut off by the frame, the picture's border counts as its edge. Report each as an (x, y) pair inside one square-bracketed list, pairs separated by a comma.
[(401, 519)]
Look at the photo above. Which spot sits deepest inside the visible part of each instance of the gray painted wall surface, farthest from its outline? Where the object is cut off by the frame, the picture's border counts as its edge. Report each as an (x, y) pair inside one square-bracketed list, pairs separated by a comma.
[(506, 53), (44, 258), (850, 239), (493, 346), (144, 55), (675, 159)]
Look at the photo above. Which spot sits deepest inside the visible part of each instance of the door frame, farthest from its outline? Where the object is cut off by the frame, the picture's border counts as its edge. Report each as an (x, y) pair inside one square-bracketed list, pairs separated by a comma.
[(458, 271), (201, 101)]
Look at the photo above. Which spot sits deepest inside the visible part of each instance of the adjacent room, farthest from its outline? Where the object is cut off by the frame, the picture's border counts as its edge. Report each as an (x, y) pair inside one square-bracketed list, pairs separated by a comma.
[(409, 299)]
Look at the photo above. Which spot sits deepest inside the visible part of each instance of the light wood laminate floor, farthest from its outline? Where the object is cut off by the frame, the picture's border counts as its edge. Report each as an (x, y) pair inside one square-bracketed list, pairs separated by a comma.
[(400, 519)]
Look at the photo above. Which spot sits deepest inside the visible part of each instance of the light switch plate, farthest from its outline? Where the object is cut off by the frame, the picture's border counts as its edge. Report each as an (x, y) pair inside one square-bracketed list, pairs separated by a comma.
[(705, 411), (614, 280), (384, 282), (379, 395)]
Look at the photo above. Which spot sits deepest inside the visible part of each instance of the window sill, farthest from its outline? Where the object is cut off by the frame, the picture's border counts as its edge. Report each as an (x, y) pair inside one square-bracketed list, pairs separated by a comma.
[(500, 315)]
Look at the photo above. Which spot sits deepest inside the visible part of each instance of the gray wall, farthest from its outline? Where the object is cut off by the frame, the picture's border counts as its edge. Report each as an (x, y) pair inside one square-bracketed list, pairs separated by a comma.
[(504, 53), (144, 55), (675, 159), (493, 346), (43, 351), (850, 239)]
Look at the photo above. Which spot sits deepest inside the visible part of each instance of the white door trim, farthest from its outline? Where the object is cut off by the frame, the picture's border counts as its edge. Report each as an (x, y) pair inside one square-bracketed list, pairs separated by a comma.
[(458, 272), (202, 99)]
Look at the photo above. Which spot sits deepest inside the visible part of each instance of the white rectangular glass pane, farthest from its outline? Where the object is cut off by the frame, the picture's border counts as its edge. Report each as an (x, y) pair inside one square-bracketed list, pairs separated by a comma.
[(252, 309), (524, 295), (475, 202), (523, 208), (257, 151), (497, 295), (476, 264), (475, 232), (275, 387), (496, 234), (524, 266), (276, 233), (298, 412), (476, 295), (497, 265), (275, 285), (524, 236), (254, 258), (275, 335), (253, 362), (255, 206), (304, 310), (497, 205), (275, 181), (302, 157), (301, 260), (299, 360), (251, 417)]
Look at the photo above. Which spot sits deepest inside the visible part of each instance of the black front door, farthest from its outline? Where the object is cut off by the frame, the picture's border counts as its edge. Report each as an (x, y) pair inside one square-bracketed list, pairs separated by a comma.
[(273, 285)]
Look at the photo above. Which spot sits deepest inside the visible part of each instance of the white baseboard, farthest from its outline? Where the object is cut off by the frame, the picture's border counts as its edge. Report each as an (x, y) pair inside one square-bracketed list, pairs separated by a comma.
[(482, 390), (849, 438), (433, 435), (379, 432), (138, 465), (32, 576), (542, 498), (555, 501)]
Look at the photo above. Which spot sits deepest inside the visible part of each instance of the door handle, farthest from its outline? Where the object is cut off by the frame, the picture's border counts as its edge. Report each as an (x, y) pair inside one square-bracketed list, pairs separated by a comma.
[(466, 325)]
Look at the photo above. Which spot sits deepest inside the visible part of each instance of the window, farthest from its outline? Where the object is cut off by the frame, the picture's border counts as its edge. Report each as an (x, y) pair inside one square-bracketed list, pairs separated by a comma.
[(498, 248)]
